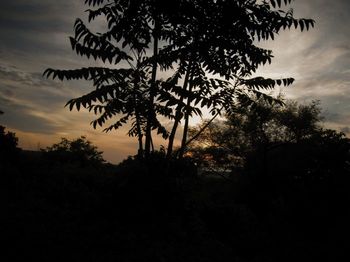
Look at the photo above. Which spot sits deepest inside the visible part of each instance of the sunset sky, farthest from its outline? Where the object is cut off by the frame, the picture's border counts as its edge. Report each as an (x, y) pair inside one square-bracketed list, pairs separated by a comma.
[(34, 36)]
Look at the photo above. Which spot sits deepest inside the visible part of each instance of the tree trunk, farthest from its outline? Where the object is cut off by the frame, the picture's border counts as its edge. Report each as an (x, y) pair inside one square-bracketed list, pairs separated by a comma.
[(177, 115), (185, 131), (137, 112), (138, 127), (202, 129), (152, 91), (186, 142)]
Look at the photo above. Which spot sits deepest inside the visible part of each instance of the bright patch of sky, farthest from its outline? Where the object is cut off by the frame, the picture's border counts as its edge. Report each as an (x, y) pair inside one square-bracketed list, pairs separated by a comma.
[(34, 36)]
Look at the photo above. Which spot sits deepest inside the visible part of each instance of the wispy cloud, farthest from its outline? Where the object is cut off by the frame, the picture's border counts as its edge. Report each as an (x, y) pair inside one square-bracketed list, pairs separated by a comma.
[(34, 108), (319, 59), (34, 36)]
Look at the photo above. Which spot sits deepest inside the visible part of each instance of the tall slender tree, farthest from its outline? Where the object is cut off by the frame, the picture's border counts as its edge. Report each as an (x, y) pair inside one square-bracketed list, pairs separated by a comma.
[(211, 46), (128, 91), (222, 37)]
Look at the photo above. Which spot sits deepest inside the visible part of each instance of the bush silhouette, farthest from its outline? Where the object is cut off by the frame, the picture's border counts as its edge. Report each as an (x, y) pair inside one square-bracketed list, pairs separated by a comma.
[(79, 151), (8, 145)]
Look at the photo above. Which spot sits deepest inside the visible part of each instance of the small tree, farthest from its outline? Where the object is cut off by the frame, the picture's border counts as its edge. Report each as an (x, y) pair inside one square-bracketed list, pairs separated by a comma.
[(8, 144), (8, 141), (255, 130), (77, 151)]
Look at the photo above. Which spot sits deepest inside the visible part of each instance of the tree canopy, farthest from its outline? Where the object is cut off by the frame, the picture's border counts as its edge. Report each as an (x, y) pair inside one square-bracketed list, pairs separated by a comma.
[(210, 49), (292, 137), (77, 151), (8, 140)]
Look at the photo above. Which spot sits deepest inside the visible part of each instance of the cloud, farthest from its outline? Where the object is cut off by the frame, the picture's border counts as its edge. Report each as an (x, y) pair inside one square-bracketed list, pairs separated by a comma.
[(34, 36), (38, 30), (34, 108), (39, 15), (31, 102), (318, 59), (28, 100), (345, 130), (34, 33), (19, 116)]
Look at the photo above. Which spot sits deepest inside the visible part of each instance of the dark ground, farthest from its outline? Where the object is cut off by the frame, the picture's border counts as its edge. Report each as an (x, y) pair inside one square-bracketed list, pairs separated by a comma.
[(59, 212)]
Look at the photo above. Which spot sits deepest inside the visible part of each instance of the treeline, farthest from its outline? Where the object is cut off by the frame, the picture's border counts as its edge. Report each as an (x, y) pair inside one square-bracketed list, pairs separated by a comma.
[(267, 183), (269, 139)]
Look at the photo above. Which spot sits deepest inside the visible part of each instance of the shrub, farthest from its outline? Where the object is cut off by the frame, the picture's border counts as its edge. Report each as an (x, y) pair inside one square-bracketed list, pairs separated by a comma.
[(78, 151), (8, 145)]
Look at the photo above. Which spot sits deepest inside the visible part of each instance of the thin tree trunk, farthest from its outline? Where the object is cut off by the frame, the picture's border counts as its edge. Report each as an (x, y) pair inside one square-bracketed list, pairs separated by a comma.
[(138, 127), (177, 115), (186, 143), (152, 91), (152, 145), (185, 131), (137, 113), (202, 129)]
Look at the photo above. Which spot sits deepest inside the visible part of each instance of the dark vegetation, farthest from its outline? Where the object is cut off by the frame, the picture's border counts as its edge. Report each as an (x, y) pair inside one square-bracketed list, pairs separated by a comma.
[(277, 200), (258, 186), (185, 39), (78, 151)]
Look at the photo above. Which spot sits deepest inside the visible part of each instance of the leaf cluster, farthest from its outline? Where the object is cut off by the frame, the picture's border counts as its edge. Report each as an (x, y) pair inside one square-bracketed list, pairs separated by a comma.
[(210, 48), (257, 128), (79, 150)]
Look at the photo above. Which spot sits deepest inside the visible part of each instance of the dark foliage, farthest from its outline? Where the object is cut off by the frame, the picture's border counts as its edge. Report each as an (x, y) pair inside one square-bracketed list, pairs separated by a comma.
[(289, 171), (8, 146), (256, 130), (161, 210), (64, 203), (189, 40), (78, 151)]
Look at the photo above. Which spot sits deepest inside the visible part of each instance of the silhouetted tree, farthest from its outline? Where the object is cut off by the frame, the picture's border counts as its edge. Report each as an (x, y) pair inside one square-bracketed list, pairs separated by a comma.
[(220, 39), (80, 151), (193, 38), (128, 91), (257, 129), (8, 145)]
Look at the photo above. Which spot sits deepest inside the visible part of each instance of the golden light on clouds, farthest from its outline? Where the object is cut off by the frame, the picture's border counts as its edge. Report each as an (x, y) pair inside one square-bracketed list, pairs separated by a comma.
[(319, 60)]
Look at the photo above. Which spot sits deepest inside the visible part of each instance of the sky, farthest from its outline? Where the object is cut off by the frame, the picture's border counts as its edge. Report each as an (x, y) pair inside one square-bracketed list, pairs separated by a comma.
[(34, 36)]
